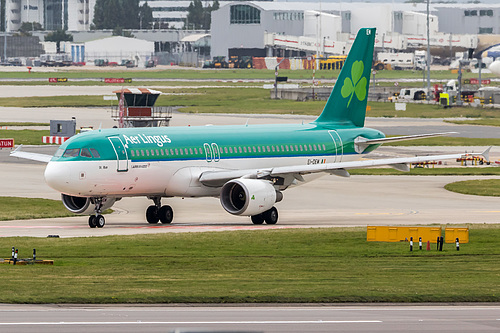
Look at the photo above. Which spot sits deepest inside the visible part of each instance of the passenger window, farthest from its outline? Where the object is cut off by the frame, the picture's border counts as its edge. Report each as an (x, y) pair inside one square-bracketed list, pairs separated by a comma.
[(324, 148), (161, 151), (258, 148), (180, 150), (300, 146), (272, 148), (157, 152), (244, 149), (282, 148), (147, 152), (95, 153), (305, 147), (314, 147), (286, 147), (176, 151), (85, 152), (133, 153), (71, 152), (231, 150), (297, 148), (239, 149), (185, 151), (190, 151), (142, 152), (253, 148)]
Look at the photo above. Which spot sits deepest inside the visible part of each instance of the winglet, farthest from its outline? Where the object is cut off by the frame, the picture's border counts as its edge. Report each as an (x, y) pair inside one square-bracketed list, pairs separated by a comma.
[(486, 154)]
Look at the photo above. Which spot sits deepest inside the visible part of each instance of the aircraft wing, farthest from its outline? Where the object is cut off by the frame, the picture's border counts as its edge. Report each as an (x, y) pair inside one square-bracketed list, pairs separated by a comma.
[(218, 178), (30, 156)]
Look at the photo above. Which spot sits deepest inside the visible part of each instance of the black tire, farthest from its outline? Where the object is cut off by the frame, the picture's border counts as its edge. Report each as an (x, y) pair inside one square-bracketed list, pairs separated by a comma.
[(92, 221), (100, 221), (257, 219), (166, 214), (152, 215), (271, 216)]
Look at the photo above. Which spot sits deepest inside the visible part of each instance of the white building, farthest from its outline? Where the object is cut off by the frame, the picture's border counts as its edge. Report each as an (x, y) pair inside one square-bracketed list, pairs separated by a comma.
[(118, 48), (51, 14)]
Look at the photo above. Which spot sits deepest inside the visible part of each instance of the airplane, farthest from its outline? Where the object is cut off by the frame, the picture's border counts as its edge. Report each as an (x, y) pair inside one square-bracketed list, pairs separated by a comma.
[(247, 166)]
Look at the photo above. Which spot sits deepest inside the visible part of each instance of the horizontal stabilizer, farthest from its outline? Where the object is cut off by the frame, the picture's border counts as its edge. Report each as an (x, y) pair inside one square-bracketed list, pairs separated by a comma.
[(361, 143), (30, 156)]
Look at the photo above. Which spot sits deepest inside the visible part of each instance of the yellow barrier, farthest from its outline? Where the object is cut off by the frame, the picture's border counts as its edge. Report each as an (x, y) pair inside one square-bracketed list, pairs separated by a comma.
[(451, 234), (401, 234)]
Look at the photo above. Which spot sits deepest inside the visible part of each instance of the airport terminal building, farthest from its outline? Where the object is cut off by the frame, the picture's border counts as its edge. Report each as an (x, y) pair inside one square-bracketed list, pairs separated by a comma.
[(302, 28)]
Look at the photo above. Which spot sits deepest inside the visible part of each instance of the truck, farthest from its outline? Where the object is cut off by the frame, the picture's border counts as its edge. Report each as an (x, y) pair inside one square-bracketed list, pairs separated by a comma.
[(217, 62), (401, 60)]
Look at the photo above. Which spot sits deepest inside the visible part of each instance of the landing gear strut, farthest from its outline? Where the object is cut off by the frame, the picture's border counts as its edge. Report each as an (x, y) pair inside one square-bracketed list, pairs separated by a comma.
[(269, 216), (97, 220), (157, 212)]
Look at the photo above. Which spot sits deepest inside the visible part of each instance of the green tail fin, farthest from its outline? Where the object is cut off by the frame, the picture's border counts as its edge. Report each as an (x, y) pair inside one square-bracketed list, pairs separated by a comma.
[(347, 102)]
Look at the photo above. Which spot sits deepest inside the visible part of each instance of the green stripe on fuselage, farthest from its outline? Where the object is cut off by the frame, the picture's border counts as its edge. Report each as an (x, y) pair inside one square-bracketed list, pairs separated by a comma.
[(149, 144)]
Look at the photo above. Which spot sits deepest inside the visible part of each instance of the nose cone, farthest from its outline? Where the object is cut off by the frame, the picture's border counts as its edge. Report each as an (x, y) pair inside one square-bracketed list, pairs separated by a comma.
[(495, 67), (57, 176)]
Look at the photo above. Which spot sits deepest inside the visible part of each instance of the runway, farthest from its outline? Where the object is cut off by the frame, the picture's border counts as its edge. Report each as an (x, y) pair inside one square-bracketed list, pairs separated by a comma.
[(250, 318)]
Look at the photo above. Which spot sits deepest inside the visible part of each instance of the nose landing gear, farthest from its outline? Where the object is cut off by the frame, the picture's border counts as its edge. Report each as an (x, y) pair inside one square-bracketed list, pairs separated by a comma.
[(157, 212), (97, 220)]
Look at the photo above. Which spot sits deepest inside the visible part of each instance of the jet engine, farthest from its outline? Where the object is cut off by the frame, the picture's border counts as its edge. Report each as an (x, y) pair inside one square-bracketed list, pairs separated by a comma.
[(248, 197), (84, 206)]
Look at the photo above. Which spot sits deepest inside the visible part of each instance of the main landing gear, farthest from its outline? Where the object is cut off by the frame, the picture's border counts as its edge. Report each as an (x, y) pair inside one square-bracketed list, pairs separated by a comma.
[(269, 216), (97, 220), (157, 212)]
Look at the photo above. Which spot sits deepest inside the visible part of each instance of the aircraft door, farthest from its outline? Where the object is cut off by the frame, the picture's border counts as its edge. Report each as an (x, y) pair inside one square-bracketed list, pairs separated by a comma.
[(215, 149), (208, 152), (339, 147), (121, 154)]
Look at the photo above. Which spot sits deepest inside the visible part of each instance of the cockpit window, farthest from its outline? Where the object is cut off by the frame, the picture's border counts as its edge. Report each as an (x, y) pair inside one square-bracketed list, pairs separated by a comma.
[(59, 152), (95, 153), (71, 152), (85, 152)]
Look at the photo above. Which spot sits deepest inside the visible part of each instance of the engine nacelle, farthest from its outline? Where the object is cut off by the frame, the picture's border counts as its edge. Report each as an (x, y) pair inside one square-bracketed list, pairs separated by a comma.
[(84, 206), (248, 197)]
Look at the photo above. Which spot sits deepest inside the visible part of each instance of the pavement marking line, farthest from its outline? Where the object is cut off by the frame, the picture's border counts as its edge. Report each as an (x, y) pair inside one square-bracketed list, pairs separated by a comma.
[(199, 322)]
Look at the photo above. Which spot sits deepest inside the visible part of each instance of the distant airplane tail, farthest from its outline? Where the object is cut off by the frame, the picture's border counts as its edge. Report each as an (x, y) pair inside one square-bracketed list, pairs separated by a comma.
[(347, 102)]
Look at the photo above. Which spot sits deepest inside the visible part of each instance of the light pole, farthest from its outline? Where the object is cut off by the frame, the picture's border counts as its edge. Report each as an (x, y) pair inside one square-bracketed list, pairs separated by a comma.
[(428, 60)]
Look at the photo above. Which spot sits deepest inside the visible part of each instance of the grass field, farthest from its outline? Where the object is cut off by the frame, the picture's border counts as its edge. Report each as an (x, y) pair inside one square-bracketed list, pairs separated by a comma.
[(13, 208), (308, 265), (249, 100), (485, 187), (228, 74)]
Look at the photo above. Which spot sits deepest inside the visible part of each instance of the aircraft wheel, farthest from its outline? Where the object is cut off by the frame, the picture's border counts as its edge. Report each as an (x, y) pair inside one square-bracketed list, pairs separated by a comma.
[(271, 216), (100, 221), (152, 215), (92, 221), (166, 214), (257, 219)]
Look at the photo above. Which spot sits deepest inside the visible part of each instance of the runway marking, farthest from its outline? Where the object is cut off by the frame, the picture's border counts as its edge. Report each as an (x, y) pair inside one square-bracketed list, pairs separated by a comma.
[(199, 322)]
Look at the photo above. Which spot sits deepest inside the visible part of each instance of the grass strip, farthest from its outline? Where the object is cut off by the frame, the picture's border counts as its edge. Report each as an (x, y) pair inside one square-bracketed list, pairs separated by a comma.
[(484, 187), (25, 137), (307, 265), (12, 124), (482, 122), (248, 100), (220, 74), (14, 208)]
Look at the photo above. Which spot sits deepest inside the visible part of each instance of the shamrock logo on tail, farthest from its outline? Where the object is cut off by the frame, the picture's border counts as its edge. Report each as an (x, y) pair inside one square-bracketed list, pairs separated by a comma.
[(356, 86)]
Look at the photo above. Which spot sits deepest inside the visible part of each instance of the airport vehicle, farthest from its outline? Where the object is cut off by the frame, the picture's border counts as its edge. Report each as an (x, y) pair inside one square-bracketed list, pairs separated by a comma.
[(217, 62), (247, 166)]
